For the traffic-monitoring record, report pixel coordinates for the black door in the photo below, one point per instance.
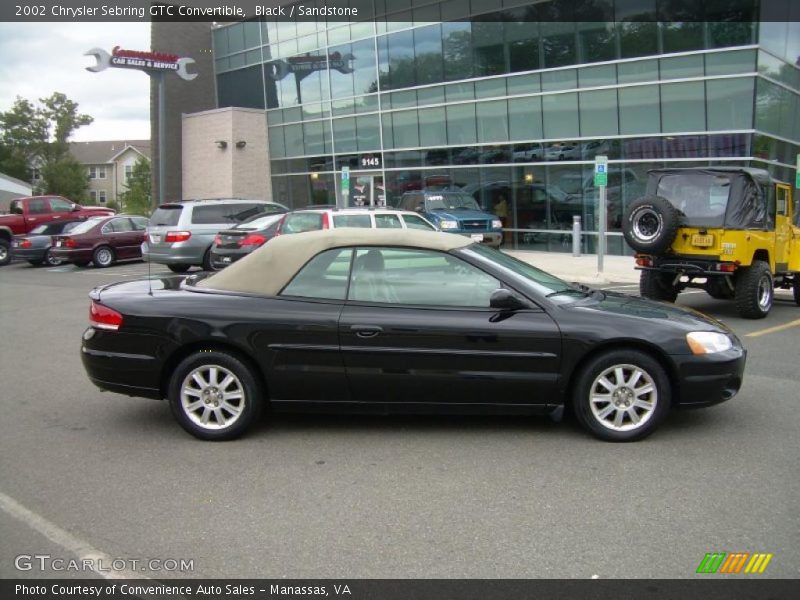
(417, 329)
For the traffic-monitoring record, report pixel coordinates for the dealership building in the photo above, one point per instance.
(509, 101)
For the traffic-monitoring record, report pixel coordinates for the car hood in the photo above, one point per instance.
(460, 215)
(613, 303)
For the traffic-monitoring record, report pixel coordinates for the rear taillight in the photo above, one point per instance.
(218, 241)
(103, 317)
(644, 261)
(177, 236)
(325, 222)
(70, 243)
(726, 267)
(25, 244)
(253, 239)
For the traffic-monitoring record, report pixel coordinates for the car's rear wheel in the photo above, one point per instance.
(214, 395)
(207, 261)
(621, 395)
(657, 286)
(179, 268)
(754, 291)
(103, 257)
(5, 252)
(51, 260)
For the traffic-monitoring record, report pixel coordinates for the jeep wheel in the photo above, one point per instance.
(657, 286)
(754, 291)
(718, 287)
(651, 224)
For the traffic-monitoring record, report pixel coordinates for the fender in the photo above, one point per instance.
(6, 233)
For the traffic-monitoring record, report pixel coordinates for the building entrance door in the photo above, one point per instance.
(367, 189)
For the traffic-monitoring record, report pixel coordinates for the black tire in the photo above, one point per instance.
(628, 401)
(717, 287)
(103, 257)
(80, 263)
(797, 289)
(5, 252)
(657, 286)
(250, 405)
(650, 224)
(179, 268)
(50, 260)
(207, 266)
(754, 291)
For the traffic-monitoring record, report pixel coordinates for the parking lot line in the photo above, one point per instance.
(774, 329)
(54, 533)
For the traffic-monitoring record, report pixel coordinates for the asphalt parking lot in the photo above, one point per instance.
(374, 497)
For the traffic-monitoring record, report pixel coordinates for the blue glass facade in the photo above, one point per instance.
(511, 104)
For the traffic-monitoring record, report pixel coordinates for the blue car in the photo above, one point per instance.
(455, 212)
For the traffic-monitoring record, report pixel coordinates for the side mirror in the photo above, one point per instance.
(503, 299)
(75, 208)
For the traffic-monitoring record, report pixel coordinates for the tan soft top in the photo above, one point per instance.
(266, 271)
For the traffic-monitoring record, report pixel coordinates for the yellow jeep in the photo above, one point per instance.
(731, 231)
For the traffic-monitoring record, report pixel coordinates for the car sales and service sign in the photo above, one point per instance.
(152, 62)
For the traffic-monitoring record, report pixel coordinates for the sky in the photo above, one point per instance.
(37, 59)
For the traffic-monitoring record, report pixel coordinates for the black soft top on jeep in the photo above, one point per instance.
(746, 203)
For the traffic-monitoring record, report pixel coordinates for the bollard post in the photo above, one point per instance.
(576, 235)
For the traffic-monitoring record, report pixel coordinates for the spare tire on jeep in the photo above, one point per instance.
(651, 224)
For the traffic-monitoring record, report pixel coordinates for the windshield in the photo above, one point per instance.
(451, 202)
(701, 197)
(542, 282)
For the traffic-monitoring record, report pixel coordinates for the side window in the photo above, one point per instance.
(418, 278)
(782, 199)
(38, 206)
(139, 223)
(300, 222)
(388, 221)
(323, 277)
(362, 221)
(16, 207)
(415, 222)
(60, 206)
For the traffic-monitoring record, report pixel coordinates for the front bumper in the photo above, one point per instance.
(709, 379)
(491, 238)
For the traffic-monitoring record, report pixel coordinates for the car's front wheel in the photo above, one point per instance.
(621, 395)
(214, 395)
(179, 268)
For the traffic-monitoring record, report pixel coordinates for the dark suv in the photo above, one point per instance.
(454, 211)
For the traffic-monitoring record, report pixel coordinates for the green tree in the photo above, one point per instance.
(65, 177)
(136, 197)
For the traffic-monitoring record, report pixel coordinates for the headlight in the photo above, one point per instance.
(708, 342)
(448, 225)
(497, 224)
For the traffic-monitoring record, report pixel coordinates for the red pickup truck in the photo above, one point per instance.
(27, 213)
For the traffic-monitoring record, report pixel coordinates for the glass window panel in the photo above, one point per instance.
(236, 61)
(236, 37)
(426, 14)
(362, 29)
(726, 63)
(522, 39)
(638, 39)
(490, 88)
(292, 114)
(678, 67)
(492, 120)
(221, 41)
(406, 129)
(432, 127)
(313, 137)
(287, 48)
(524, 84)
(460, 91)
(243, 87)
(252, 34)
(221, 64)
(683, 107)
(558, 40)
(339, 35)
(560, 115)
(681, 37)
(640, 70)
(596, 41)
(307, 43)
(722, 34)
(343, 107)
(487, 46)
(599, 113)
(639, 110)
(277, 148)
(365, 63)
(404, 99)
(525, 119)
(368, 133)
(326, 275)
(293, 135)
(388, 221)
(455, 9)
(341, 84)
(431, 95)
(344, 135)
(730, 103)
(600, 75)
(461, 124)
(253, 57)
(559, 80)
(388, 135)
(401, 59)
(773, 35)
(366, 103)
(457, 50)
(383, 63)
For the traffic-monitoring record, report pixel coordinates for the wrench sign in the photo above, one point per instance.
(143, 61)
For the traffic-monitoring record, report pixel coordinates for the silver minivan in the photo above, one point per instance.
(180, 234)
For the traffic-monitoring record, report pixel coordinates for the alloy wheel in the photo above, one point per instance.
(623, 397)
(212, 397)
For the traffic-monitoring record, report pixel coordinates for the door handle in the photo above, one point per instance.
(366, 331)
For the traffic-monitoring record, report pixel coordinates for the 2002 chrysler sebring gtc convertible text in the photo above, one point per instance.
(408, 321)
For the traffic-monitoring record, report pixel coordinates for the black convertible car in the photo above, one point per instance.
(398, 320)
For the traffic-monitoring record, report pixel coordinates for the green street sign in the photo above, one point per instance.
(600, 171)
(345, 181)
(797, 174)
